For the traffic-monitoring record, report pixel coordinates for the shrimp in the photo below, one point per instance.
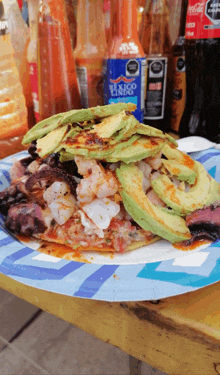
(61, 203)
(146, 170)
(97, 182)
(155, 162)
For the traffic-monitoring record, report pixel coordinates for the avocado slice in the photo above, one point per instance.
(112, 124)
(144, 147)
(181, 171)
(147, 215)
(51, 141)
(96, 152)
(204, 192)
(78, 115)
(154, 132)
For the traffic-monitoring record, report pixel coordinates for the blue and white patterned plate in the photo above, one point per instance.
(132, 280)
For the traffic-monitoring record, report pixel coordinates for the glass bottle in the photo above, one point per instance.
(156, 42)
(32, 54)
(202, 47)
(179, 72)
(20, 38)
(125, 60)
(90, 51)
(58, 85)
(13, 111)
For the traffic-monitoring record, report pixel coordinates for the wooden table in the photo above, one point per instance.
(178, 335)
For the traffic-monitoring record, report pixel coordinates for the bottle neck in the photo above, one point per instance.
(183, 18)
(125, 18)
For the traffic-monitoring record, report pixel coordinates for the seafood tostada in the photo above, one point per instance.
(97, 179)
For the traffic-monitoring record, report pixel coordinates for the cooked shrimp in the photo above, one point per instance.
(154, 162)
(84, 166)
(96, 183)
(153, 198)
(146, 169)
(61, 203)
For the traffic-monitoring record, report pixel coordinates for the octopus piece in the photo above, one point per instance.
(26, 219)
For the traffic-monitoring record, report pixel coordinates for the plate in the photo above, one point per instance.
(150, 273)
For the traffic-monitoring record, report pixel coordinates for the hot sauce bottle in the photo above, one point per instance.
(124, 68)
(156, 42)
(32, 54)
(179, 73)
(90, 51)
(58, 85)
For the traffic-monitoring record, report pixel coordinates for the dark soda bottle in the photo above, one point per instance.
(155, 39)
(179, 73)
(202, 47)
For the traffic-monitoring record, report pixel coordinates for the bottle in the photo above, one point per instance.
(202, 47)
(179, 73)
(107, 17)
(32, 54)
(125, 62)
(140, 9)
(156, 42)
(58, 86)
(71, 18)
(13, 111)
(90, 51)
(20, 39)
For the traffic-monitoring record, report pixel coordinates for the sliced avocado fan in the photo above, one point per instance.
(78, 115)
(204, 192)
(118, 137)
(147, 215)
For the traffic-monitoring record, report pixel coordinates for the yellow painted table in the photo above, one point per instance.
(178, 335)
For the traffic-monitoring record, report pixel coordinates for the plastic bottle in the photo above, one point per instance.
(125, 62)
(32, 54)
(156, 42)
(179, 73)
(58, 86)
(20, 38)
(13, 111)
(90, 51)
(202, 46)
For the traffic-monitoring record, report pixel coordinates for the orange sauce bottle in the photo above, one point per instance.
(125, 60)
(90, 51)
(58, 86)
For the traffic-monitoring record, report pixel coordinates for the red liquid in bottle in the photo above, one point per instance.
(58, 86)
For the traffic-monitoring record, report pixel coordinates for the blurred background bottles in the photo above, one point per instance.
(156, 42)
(20, 38)
(13, 111)
(90, 51)
(125, 63)
(32, 54)
(179, 73)
(58, 85)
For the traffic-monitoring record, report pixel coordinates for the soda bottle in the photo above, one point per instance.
(58, 86)
(90, 51)
(179, 72)
(125, 62)
(20, 38)
(13, 111)
(32, 54)
(202, 48)
(156, 42)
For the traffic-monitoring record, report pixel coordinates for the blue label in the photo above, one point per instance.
(124, 81)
